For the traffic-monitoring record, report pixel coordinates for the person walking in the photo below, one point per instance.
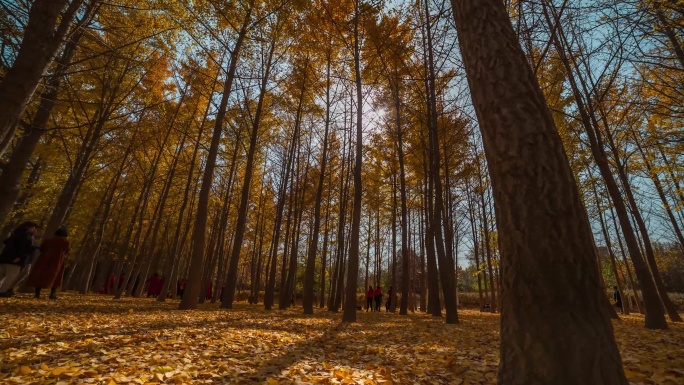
(378, 298)
(618, 299)
(48, 271)
(388, 304)
(370, 294)
(16, 255)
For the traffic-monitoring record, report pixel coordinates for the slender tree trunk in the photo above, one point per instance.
(446, 266)
(192, 290)
(324, 256)
(609, 246)
(174, 249)
(544, 233)
(309, 275)
(349, 313)
(655, 318)
(648, 247)
(626, 262)
(405, 272)
(661, 193)
(476, 243)
(282, 198)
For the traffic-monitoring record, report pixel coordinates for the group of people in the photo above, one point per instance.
(376, 296)
(46, 272)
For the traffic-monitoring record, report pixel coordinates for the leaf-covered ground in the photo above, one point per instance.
(95, 340)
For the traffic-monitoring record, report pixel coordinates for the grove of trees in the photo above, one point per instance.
(299, 151)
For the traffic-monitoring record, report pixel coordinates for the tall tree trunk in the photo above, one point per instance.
(648, 247)
(14, 168)
(324, 256)
(269, 294)
(476, 243)
(626, 262)
(405, 272)
(349, 310)
(309, 275)
(192, 290)
(49, 21)
(231, 279)
(544, 233)
(446, 266)
(609, 246)
(105, 109)
(655, 318)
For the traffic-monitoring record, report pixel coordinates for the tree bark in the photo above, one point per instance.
(544, 233)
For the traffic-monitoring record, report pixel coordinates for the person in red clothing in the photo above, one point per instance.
(110, 285)
(209, 292)
(152, 284)
(369, 298)
(378, 298)
(48, 271)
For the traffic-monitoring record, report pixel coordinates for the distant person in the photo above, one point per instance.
(180, 288)
(618, 299)
(16, 255)
(48, 271)
(210, 292)
(378, 298)
(110, 284)
(388, 304)
(487, 308)
(370, 294)
(152, 285)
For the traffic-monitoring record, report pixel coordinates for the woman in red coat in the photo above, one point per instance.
(48, 270)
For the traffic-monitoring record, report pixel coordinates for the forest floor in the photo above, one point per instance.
(95, 340)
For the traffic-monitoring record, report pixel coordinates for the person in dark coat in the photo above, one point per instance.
(617, 299)
(48, 270)
(16, 255)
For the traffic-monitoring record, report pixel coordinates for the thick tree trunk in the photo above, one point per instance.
(544, 233)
